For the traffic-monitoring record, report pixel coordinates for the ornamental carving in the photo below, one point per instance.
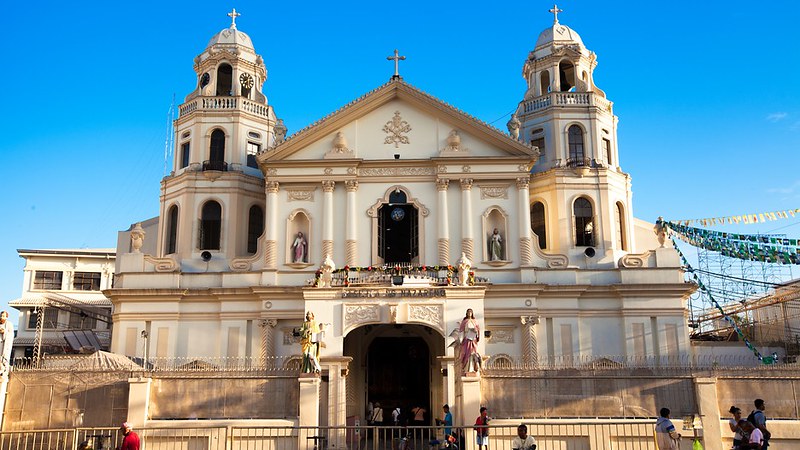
(355, 315)
(523, 182)
(427, 314)
(288, 336)
(494, 191)
(397, 171)
(442, 184)
(272, 171)
(395, 130)
(300, 195)
(328, 185)
(272, 187)
(503, 335)
(466, 168)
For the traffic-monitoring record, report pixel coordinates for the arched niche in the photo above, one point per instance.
(415, 211)
(298, 233)
(495, 246)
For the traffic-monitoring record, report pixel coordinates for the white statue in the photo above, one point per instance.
(661, 231)
(464, 265)
(327, 268)
(137, 237)
(6, 343)
(495, 246)
(513, 126)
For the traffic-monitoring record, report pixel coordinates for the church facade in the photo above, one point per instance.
(424, 210)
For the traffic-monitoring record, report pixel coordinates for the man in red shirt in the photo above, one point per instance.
(130, 441)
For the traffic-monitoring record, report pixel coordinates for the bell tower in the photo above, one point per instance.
(580, 198)
(212, 203)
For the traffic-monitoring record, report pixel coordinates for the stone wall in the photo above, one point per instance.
(224, 398)
(65, 399)
(780, 395)
(609, 395)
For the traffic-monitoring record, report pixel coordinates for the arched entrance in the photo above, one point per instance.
(395, 365)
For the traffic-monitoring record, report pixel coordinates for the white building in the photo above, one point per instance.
(398, 177)
(68, 283)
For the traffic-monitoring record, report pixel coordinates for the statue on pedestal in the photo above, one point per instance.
(495, 246)
(470, 334)
(6, 343)
(300, 248)
(326, 272)
(464, 265)
(137, 237)
(310, 339)
(660, 229)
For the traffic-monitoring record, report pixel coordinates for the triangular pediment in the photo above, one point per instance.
(393, 121)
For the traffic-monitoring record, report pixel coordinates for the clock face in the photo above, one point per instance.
(205, 79)
(246, 80)
(398, 214)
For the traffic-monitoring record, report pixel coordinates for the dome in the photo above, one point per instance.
(560, 34)
(230, 36)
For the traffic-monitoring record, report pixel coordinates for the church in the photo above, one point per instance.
(388, 219)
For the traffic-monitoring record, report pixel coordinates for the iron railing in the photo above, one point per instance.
(549, 434)
(211, 164)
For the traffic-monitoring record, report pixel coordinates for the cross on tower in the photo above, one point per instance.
(397, 58)
(555, 12)
(233, 15)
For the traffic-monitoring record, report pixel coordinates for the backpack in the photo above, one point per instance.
(752, 417)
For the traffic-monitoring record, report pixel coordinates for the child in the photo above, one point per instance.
(482, 430)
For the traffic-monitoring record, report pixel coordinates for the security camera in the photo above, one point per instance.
(206, 256)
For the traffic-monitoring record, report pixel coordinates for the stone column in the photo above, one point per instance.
(708, 408)
(267, 349)
(271, 243)
(351, 237)
(525, 241)
(138, 401)
(309, 405)
(444, 223)
(470, 404)
(467, 244)
(530, 353)
(337, 370)
(327, 218)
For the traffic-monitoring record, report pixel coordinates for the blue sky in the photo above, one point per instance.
(706, 94)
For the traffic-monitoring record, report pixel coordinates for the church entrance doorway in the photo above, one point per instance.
(396, 365)
(398, 230)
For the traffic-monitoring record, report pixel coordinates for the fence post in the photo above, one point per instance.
(708, 408)
(138, 400)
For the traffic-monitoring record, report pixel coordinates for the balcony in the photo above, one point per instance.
(566, 99)
(220, 166)
(224, 104)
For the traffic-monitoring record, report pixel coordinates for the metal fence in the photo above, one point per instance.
(550, 435)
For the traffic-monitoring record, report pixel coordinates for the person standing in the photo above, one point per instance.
(523, 441)
(759, 419)
(666, 436)
(130, 440)
(447, 421)
(733, 423)
(482, 429)
(755, 440)
(396, 416)
(418, 414)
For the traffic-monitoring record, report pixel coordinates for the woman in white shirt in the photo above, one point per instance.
(733, 423)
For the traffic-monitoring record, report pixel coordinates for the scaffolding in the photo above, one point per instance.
(741, 287)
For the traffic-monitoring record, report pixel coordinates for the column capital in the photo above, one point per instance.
(442, 184)
(272, 323)
(466, 184)
(529, 320)
(328, 185)
(351, 185)
(523, 182)
(272, 187)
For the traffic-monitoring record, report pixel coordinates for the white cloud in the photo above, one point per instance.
(776, 116)
(786, 190)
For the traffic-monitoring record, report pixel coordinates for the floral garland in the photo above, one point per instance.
(394, 270)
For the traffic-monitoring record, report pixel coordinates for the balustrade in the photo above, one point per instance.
(566, 99)
(224, 104)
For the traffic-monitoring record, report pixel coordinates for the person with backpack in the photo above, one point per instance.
(666, 436)
(759, 420)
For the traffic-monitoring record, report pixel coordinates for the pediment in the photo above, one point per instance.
(397, 121)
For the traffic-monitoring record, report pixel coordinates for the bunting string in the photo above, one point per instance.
(730, 320)
(745, 219)
(751, 247)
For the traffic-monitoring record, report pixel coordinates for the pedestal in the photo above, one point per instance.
(3, 392)
(138, 400)
(708, 408)
(469, 407)
(309, 403)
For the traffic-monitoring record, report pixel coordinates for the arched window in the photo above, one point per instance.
(216, 152)
(172, 230)
(224, 80)
(544, 82)
(255, 226)
(575, 141)
(566, 72)
(538, 224)
(584, 222)
(397, 196)
(619, 215)
(210, 226)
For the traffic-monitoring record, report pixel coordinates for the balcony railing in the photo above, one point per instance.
(566, 99)
(221, 166)
(224, 104)
(579, 162)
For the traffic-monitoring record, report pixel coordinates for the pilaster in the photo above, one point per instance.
(351, 237)
(271, 243)
(327, 217)
(444, 223)
(525, 241)
(467, 243)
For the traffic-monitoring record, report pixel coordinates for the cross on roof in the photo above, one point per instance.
(397, 58)
(233, 15)
(555, 12)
